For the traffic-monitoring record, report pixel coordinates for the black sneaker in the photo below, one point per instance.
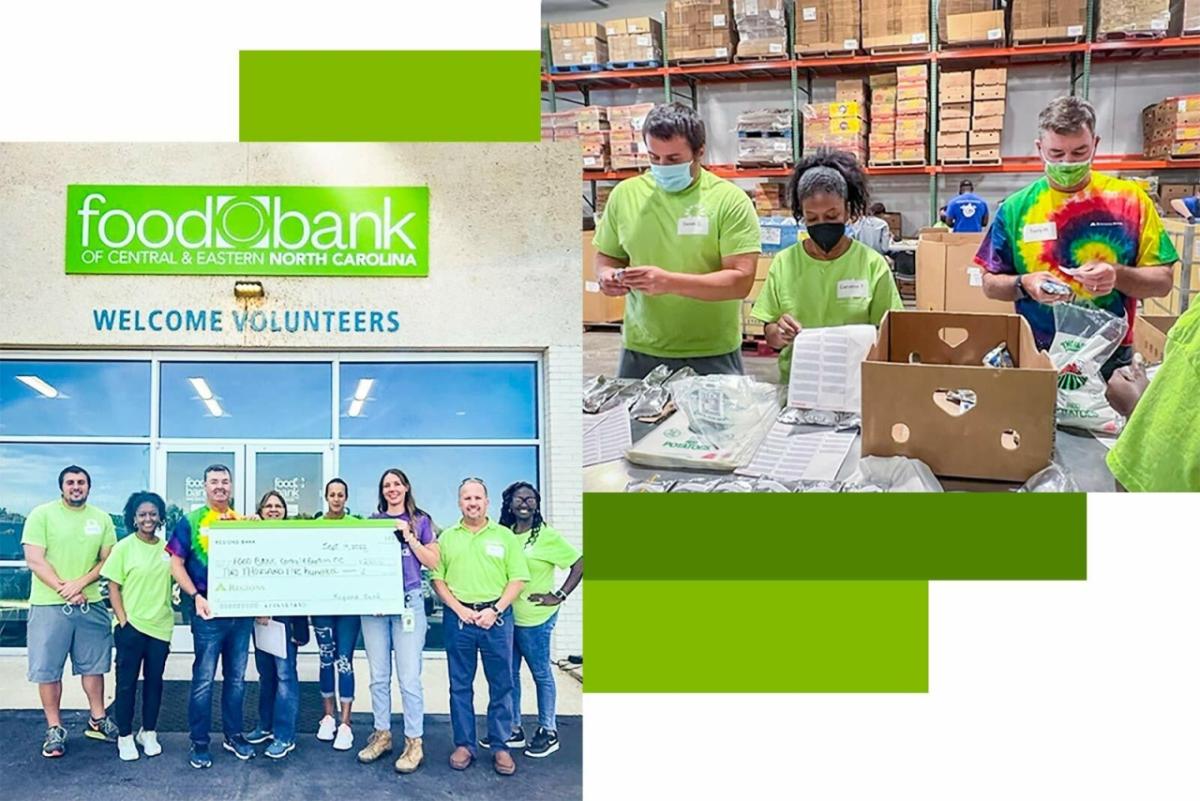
(55, 744)
(199, 757)
(544, 744)
(103, 729)
(238, 746)
(515, 740)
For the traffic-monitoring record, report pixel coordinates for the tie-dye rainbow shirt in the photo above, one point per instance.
(189, 541)
(1041, 229)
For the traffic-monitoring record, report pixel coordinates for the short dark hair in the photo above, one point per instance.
(216, 468)
(73, 468)
(834, 172)
(669, 120)
(966, 185)
(1067, 115)
(136, 500)
(878, 208)
(333, 481)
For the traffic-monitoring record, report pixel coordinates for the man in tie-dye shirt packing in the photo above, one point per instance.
(1097, 234)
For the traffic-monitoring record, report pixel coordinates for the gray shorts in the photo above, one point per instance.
(86, 636)
(638, 365)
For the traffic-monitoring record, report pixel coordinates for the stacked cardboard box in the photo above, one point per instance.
(625, 136)
(828, 26)
(850, 90)
(764, 137)
(954, 115)
(578, 44)
(987, 117)
(700, 30)
(1190, 17)
(883, 118)
(1119, 18)
(895, 24)
(912, 113)
(770, 200)
(837, 126)
(1035, 21)
(978, 27)
(592, 124)
(761, 28)
(602, 193)
(1171, 129)
(634, 40)
(948, 10)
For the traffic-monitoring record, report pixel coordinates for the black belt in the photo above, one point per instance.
(482, 605)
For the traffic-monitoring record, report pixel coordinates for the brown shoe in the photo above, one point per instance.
(412, 757)
(462, 758)
(503, 763)
(378, 744)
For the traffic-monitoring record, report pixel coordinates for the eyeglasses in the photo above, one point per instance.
(472, 480)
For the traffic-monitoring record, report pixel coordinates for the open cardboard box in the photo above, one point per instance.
(1150, 335)
(1007, 436)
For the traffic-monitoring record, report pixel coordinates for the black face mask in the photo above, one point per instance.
(827, 235)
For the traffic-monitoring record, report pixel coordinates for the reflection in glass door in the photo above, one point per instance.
(298, 473)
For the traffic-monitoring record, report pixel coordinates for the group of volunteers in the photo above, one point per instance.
(682, 244)
(496, 580)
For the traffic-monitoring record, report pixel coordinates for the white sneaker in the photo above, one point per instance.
(126, 749)
(345, 739)
(148, 740)
(326, 729)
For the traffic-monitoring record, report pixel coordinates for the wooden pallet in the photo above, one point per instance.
(892, 50)
(970, 162)
(1118, 36)
(754, 59)
(1048, 40)
(775, 165)
(819, 54)
(920, 163)
(633, 65)
(696, 62)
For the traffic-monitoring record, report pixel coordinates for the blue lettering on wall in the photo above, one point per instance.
(281, 322)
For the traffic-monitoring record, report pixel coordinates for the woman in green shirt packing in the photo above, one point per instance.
(826, 279)
(139, 588)
(536, 611)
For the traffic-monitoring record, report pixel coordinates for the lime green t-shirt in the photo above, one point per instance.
(1159, 450)
(544, 552)
(856, 288)
(681, 232)
(478, 566)
(143, 570)
(73, 539)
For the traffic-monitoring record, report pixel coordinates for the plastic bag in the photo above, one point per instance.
(1054, 478)
(721, 408)
(892, 474)
(652, 484)
(1084, 339)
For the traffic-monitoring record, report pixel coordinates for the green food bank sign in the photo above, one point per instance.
(248, 230)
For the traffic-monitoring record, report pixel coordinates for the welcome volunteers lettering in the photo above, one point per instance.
(292, 321)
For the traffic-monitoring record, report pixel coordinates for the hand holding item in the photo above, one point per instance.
(1032, 282)
(406, 533)
(784, 333)
(1097, 277)
(612, 283)
(647, 280)
(467, 615)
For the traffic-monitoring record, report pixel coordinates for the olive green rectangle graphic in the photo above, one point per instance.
(389, 95)
(819, 536)
(756, 637)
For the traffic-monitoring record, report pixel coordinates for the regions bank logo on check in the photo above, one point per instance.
(247, 230)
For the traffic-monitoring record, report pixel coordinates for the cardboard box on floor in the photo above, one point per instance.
(1007, 436)
(948, 278)
(597, 307)
(1150, 335)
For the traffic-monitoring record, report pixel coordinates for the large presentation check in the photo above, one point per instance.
(304, 567)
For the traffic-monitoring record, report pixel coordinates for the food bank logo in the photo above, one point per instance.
(247, 230)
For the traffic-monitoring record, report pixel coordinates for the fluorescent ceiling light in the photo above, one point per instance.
(202, 389)
(214, 407)
(38, 385)
(363, 389)
(356, 407)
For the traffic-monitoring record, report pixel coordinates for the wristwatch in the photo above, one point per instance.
(560, 595)
(495, 609)
(1022, 292)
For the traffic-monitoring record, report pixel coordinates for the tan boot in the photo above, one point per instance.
(413, 756)
(378, 744)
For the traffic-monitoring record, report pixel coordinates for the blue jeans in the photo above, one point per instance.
(278, 693)
(336, 638)
(228, 639)
(495, 645)
(385, 639)
(533, 644)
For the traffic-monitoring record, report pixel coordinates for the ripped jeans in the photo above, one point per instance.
(336, 637)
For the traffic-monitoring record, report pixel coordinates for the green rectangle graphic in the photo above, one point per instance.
(747, 636)
(918, 536)
(148, 229)
(389, 96)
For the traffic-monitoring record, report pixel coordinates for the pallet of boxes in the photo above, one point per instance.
(634, 42)
(840, 125)
(700, 31)
(971, 108)
(626, 144)
(882, 139)
(1036, 22)
(912, 114)
(890, 26)
(827, 27)
(1171, 128)
(971, 22)
(761, 27)
(592, 123)
(764, 138)
(1135, 19)
(578, 47)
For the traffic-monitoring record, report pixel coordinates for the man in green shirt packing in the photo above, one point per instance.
(682, 245)
(481, 572)
(66, 542)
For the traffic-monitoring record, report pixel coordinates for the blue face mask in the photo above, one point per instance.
(672, 177)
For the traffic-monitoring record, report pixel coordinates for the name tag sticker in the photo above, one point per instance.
(693, 226)
(495, 549)
(1040, 232)
(975, 276)
(91, 528)
(851, 289)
